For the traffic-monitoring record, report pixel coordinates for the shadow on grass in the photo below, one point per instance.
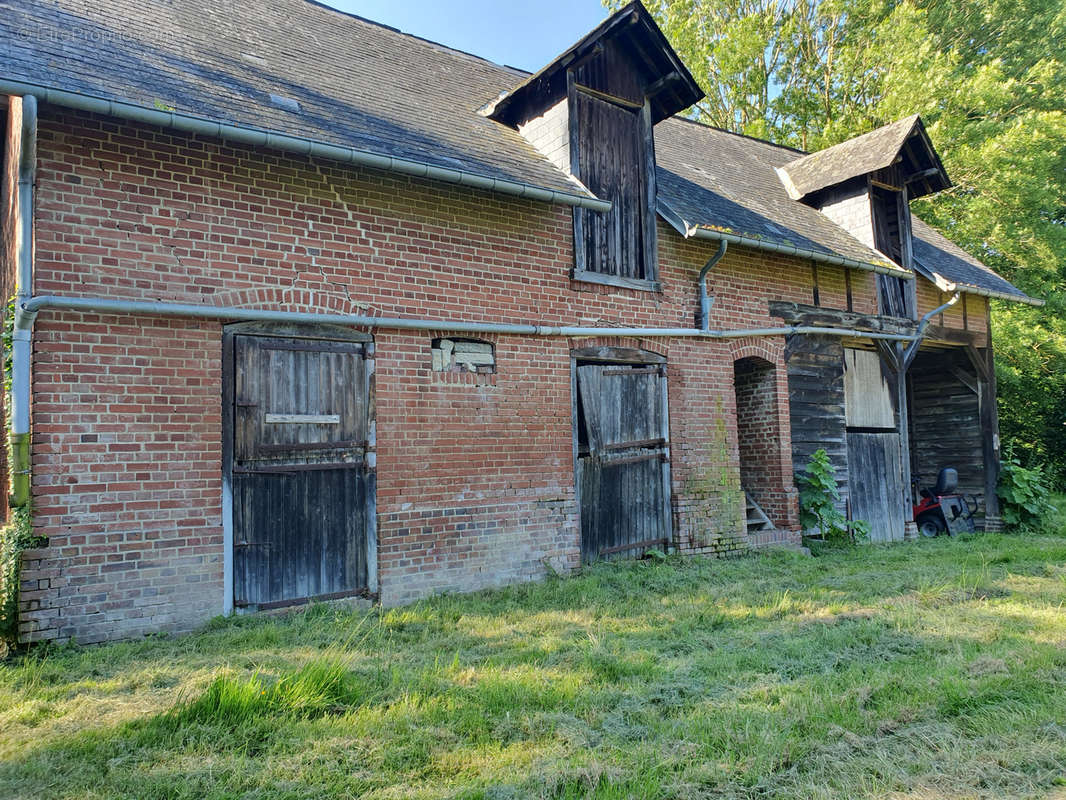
(689, 678)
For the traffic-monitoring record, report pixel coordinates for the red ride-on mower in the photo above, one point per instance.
(941, 510)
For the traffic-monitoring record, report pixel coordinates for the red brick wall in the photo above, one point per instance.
(475, 473)
(126, 454)
(759, 434)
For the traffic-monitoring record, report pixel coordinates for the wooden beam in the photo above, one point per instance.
(990, 439)
(803, 314)
(908, 148)
(650, 237)
(883, 185)
(967, 380)
(621, 102)
(575, 170)
(954, 336)
(889, 354)
(662, 83)
(979, 363)
(923, 175)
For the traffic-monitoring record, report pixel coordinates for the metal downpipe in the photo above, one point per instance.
(705, 300)
(912, 351)
(22, 335)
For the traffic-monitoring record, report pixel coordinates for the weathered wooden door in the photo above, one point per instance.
(623, 472)
(301, 467)
(876, 483)
(875, 479)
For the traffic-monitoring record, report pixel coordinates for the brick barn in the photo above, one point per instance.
(307, 308)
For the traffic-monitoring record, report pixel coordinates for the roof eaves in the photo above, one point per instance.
(947, 286)
(295, 144)
(701, 231)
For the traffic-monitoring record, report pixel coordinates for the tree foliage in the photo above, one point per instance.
(986, 77)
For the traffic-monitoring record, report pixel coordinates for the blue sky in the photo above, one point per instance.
(521, 34)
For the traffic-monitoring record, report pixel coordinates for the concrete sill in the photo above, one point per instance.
(616, 280)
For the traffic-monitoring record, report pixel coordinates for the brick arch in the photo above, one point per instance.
(764, 440)
(772, 350)
(292, 299)
(657, 346)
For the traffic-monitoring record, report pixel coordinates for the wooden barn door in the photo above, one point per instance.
(875, 479)
(876, 483)
(623, 472)
(302, 472)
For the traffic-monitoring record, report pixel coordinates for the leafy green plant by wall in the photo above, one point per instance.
(15, 537)
(1025, 492)
(819, 496)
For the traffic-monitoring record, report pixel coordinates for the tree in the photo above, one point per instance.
(987, 78)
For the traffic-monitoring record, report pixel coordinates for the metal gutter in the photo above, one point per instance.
(787, 249)
(996, 295)
(21, 338)
(26, 313)
(705, 301)
(944, 285)
(695, 232)
(296, 144)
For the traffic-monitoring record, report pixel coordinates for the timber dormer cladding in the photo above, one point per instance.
(591, 112)
(865, 185)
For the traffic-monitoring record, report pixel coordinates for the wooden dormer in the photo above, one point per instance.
(865, 185)
(591, 111)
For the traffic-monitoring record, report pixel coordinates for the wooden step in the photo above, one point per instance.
(756, 519)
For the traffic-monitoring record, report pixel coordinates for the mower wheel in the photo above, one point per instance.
(931, 525)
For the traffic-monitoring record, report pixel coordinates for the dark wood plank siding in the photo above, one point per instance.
(613, 72)
(946, 420)
(876, 489)
(816, 402)
(612, 160)
(889, 227)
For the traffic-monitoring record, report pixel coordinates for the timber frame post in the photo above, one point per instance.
(896, 359)
(984, 362)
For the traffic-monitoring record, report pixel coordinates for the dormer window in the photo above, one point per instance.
(611, 152)
(865, 185)
(591, 112)
(890, 215)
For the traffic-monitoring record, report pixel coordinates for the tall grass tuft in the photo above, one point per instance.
(322, 686)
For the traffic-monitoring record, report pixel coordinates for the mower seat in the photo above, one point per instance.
(946, 481)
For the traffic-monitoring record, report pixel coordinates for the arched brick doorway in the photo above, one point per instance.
(759, 443)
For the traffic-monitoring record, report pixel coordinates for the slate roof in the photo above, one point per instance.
(358, 84)
(859, 156)
(941, 258)
(364, 85)
(726, 182)
(723, 182)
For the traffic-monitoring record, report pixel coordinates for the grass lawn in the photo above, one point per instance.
(927, 670)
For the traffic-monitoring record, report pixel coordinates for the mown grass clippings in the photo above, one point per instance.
(933, 669)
